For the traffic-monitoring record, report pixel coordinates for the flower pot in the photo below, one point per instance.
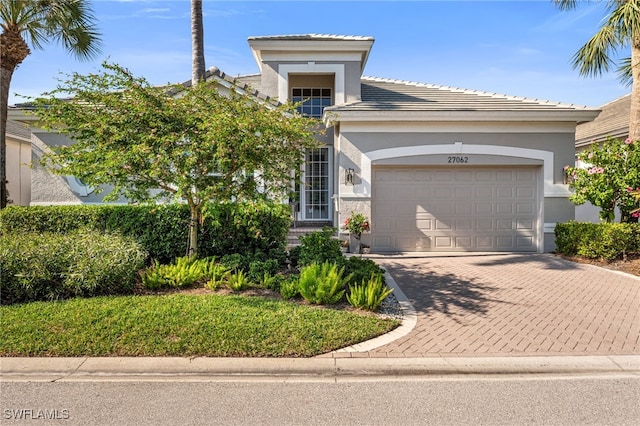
(355, 246)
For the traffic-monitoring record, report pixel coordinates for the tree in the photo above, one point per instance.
(194, 144)
(198, 70)
(613, 173)
(34, 22)
(620, 28)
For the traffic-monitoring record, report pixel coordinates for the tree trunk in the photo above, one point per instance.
(197, 43)
(634, 118)
(193, 229)
(13, 50)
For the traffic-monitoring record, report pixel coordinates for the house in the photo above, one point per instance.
(26, 177)
(612, 122)
(435, 168)
(18, 139)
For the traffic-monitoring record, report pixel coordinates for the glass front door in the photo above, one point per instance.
(316, 201)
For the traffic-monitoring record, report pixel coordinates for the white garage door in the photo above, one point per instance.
(455, 209)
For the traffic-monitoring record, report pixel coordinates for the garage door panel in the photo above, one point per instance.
(429, 208)
(525, 242)
(504, 209)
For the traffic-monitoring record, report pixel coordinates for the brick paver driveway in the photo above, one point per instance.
(513, 304)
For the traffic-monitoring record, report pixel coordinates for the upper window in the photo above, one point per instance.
(314, 100)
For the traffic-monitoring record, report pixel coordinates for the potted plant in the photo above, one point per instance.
(356, 224)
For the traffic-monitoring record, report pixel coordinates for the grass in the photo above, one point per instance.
(180, 325)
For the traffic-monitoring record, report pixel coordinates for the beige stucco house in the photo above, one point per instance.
(435, 168)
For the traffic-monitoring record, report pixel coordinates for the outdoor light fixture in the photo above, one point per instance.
(348, 176)
(566, 176)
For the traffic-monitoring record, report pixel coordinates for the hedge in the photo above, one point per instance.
(162, 230)
(607, 241)
(49, 266)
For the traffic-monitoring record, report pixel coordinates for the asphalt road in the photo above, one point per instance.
(595, 399)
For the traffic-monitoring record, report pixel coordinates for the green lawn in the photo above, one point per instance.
(181, 325)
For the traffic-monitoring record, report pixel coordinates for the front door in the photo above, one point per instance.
(316, 199)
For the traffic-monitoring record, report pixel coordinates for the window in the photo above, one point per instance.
(314, 100)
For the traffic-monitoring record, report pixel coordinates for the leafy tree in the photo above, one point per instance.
(610, 179)
(34, 22)
(620, 28)
(193, 144)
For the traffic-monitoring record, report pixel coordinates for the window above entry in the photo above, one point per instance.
(314, 100)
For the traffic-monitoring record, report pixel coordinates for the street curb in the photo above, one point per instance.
(95, 368)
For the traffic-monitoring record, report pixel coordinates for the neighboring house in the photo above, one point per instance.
(435, 168)
(27, 177)
(613, 122)
(18, 139)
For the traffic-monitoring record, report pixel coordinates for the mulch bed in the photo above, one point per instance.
(631, 265)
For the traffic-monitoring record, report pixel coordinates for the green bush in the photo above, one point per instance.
(238, 281)
(607, 241)
(322, 283)
(183, 272)
(162, 230)
(289, 288)
(46, 266)
(369, 294)
(362, 269)
(319, 247)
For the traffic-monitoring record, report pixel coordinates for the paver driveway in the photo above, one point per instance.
(514, 304)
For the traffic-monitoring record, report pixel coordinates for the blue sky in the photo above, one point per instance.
(520, 48)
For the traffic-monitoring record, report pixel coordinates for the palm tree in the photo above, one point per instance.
(28, 23)
(197, 43)
(620, 28)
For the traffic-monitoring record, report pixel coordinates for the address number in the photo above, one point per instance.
(458, 160)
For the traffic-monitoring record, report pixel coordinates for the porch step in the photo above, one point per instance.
(293, 238)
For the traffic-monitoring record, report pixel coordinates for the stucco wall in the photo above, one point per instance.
(18, 171)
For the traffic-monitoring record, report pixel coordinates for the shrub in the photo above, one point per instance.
(322, 283)
(606, 241)
(289, 288)
(320, 247)
(46, 266)
(217, 275)
(162, 230)
(259, 268)
(238, 281)
(184, 272)
(368, 295)
(362, 269)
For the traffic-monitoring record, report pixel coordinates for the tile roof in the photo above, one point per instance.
(241, 83)
(18, 130)
(312, 36)
(379, 94)
(613, 121)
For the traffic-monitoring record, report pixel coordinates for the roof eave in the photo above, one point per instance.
(332, 116)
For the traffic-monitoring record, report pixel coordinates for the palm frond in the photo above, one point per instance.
(624, 72)
(566, 4)
(594, 58)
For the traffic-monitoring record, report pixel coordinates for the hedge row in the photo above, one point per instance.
(606, 241)
(49, 266)
(162, 230)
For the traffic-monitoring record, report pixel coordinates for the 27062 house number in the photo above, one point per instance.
(457, 160)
